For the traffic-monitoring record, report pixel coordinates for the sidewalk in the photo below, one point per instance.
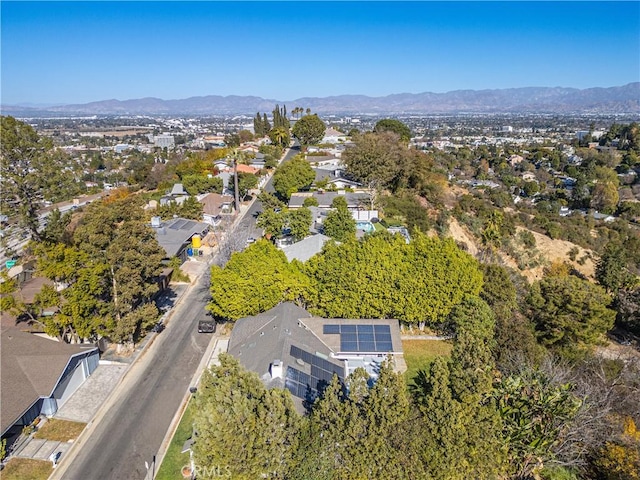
(86, 401)
(210, 358)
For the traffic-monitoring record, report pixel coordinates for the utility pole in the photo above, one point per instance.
(235, 181)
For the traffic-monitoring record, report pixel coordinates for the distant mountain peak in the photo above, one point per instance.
(621, 99)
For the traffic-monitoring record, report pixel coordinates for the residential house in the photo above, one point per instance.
(331, 135)
(306, 248)
(289, 348)
(216, 206)
(355, 200)
(334, 177)
(39, 376)
(175, 235)
(177, 194)
(323, 161)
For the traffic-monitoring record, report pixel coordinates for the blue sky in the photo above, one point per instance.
(77, 52)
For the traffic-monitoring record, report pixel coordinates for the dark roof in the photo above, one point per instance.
(354, 199)
(290, 335)
(31, 368)
(174, 233)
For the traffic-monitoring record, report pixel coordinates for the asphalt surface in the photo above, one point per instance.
(132, 430)
(247, 226)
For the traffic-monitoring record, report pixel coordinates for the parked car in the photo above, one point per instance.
(206, 326)
(158, 327)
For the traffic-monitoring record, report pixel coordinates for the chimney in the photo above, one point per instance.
(276, 369)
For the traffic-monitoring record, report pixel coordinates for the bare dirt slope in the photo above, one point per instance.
(550, 250)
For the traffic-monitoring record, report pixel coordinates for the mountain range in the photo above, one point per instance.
(621, 99)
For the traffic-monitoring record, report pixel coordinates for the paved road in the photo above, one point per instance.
(248, 224)
(132, 430)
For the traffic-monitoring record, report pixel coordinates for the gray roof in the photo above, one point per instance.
(306, 248)
(178, 189)
(258, 341)
(173, 234)
(354, 199)
(31, 368)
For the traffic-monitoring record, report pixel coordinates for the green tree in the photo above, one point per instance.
(254, 281)
(271, 222)
(83, 315)
(463, 425)
(117, 232)
(30, 171)
(611, 269)
(246, 182)
(569, 312)
(195, 184)
(358, 431)
(395, 126)
(257, 427)
(57, 223)
(232, 140)
(428, 277)
(309, 129)
(299, 222)
(292, 176)
(280, 136)
(627, 305)
(534, 411)
(270, 201)
(340, 224)
(514, 333)
(310, 202)
(134, 258)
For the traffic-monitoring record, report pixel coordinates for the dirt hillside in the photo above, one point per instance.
(550, 250)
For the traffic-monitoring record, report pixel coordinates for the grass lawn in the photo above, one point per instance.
(171, 468)
(420, 353)
(60, 430)
(26, 469)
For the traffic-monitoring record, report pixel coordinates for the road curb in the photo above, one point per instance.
(67, 458)
(177, 418)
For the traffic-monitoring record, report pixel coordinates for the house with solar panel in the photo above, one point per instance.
(289, 348)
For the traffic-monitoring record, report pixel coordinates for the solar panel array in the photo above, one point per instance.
(182, 225)
(362, 338)
(307, 386)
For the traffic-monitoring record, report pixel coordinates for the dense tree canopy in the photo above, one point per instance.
(383, 277)
(462, 434)
(241, 425)
(354, 435)
(395, 126)
(569, 312)
(110, 266)
(195, 184)
(31, 171)
(254, 281)
(309, 129)
(294, 175)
